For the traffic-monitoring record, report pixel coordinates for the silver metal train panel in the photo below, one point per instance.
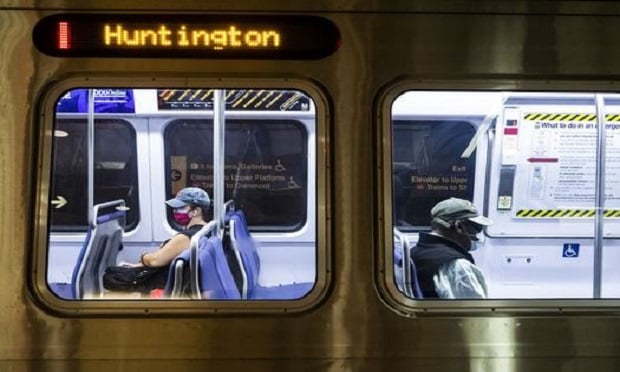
(562, 45)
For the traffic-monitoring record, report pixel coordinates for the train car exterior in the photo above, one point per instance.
(400, 83)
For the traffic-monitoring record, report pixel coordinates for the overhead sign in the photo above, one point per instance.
(108, 100)
(236, 99)
(186, 36)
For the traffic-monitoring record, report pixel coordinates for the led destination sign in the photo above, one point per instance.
(186, 36)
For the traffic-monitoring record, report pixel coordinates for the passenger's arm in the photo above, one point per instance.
(460, 279)
(164, 255)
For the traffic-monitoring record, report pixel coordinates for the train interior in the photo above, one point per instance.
(150, 143)
(537, 163)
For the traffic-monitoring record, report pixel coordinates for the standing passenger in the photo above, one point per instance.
(444, 265)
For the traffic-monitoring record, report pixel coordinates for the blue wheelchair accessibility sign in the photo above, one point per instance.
(570, 250)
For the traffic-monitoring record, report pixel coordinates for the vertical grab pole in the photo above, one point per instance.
(90, 138)
(219, 129)
(599, 195)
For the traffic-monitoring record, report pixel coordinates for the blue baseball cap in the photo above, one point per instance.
(190, 196)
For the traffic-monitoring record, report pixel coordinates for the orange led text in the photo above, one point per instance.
(118, 35)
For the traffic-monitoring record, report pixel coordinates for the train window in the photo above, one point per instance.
(265, 172)
(532, 175)
(254, 237)
(115, 171)
(428, 167)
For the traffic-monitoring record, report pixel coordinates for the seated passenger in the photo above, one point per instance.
(190, 206)
(444, 265)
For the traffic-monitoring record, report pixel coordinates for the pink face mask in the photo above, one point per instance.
(182, 218)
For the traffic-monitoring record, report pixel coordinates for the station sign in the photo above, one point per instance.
(186, 36)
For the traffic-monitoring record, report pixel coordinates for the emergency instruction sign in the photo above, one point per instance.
(556, 165)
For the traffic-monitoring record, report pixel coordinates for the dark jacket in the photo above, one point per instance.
(429, 254)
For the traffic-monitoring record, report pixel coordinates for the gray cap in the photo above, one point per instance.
(190, 195)
(450, 210)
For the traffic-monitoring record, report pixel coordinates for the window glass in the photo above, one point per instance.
(428, 167)
(265, 173)
(140, 246)
(539, 167)
(115, 172)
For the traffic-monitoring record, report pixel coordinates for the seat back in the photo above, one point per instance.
(183, 270)
(215, 278)
(416, 291)
(99, 251)
(178, 275)
(399, 272)
(405, 272)
(245, 246)
(292, 291)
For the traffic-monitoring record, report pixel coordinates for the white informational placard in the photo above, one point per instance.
(557, 165)
(547, 186)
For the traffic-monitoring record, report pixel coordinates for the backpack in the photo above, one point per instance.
(135, 279)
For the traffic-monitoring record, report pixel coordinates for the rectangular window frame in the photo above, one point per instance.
(37, 280)
(384, 253)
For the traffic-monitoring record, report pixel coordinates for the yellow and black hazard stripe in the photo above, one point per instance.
(565, 213)
(612, 213)
(238, 99)
(569, 117)
(559, 117)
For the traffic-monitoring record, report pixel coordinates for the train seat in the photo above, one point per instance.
(399, 276)
(227, 268)
(215, 277)
(414, 284)
(243, 243)
(102, 244)
(62, 290)
(406, 276)
(216, 271)
(178, 275)
(284, 292)
(214, 274)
